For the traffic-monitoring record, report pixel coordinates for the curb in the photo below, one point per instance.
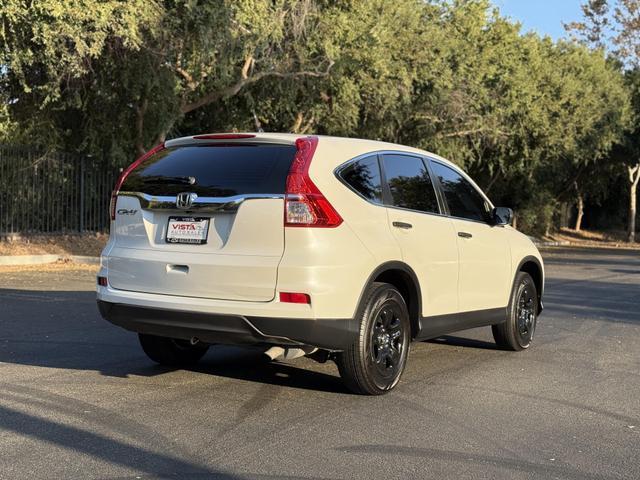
(563, 243)
(83, 259)
(44, 259)
(542, 243)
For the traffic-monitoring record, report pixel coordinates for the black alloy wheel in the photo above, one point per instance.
(526, 315)
(374, 363)
(522, 315)
(386, 342)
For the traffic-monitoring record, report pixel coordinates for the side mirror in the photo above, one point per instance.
(501, 215)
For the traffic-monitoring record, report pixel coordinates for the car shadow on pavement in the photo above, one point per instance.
(63, 329)
(455, 341)
(251, 365)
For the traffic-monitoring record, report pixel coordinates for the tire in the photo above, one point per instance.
(374, 363)
(517, 332)
(171, 352)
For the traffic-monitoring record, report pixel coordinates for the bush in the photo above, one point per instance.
(536, 218)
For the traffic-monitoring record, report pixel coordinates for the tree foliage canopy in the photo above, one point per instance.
(528, 117)
(617, 25)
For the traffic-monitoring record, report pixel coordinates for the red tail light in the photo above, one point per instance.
(305, 205)
(289, 297)
(125, 173)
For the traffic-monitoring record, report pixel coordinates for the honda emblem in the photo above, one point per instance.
(185, 200)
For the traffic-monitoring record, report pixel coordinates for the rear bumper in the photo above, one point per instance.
(331, 334)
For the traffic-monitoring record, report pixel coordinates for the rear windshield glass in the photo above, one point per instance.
(214, 171)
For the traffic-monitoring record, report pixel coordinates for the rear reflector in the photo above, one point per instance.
(305, 205)
(224, 136)
(288, 297)
(125, 173)
(102, 281)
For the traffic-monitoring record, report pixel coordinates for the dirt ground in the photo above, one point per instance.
(90, 245)
(587, 238)
(45, 276)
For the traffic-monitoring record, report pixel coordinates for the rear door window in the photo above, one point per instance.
(364, 177)
(409, 183)
(214, 171)
(463, 199)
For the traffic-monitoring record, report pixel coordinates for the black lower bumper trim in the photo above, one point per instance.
(331, 334)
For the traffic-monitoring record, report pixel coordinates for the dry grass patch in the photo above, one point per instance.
(90, 245)
(67, 267)
(588, 238)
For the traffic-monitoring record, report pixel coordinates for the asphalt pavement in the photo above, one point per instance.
(79, 399)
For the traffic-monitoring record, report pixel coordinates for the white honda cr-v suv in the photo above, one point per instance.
(336, 248)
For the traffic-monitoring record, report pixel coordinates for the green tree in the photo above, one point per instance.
(48, 51)
(591, 115)
(527, 116)
(618, 24)
(287, 65)
(530, 118)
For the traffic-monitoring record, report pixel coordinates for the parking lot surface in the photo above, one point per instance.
(79, 399)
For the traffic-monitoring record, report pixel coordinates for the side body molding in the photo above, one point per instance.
(438, 325)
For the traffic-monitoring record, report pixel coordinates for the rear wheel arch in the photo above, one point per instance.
(402, 277)
(532, 266)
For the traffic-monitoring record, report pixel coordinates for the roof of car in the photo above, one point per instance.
(353, 144)
(336, 150)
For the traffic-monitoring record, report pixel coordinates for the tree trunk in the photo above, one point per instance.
(580, 214)
(164, 131)
(565, 213)
(141, 111)
(492, 182)
(634, 177)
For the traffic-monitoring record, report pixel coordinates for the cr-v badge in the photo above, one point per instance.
(124, 211)
(185, 199)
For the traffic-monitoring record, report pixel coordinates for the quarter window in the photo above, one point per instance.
(364, 177)
(463, 199)
(409, 183)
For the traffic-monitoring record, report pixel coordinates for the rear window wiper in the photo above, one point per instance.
(164, 180)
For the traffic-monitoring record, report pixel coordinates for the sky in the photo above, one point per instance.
(543, 16)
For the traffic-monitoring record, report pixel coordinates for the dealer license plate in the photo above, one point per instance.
(192, 230)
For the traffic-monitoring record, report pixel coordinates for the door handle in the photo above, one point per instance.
(464, 235)
(184, 269)
(404, 225)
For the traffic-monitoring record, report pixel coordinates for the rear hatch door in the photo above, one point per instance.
(203, 221)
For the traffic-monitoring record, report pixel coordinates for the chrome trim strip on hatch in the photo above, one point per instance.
(200, 204)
